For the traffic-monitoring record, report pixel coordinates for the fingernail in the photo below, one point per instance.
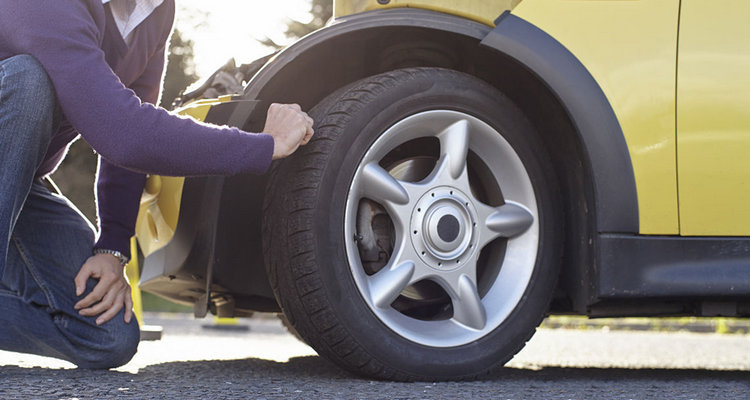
(99, 322)
(79, 290)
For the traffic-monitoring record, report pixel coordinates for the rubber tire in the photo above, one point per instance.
(289, 327)
(304, 215)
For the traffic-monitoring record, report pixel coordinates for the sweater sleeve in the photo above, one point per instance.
(118, 194)
(118, 190)
(64, 36)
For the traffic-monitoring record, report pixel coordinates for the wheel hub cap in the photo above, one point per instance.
(442, 228)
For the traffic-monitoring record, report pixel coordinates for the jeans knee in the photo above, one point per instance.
(26, 88)
(116, 348)
(27, 72)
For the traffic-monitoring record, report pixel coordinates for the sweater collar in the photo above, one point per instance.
(128, 14)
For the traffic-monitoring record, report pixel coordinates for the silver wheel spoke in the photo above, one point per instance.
(509, 220)
(467, 306)
(386, 285)
(454, 143)
(433, 228)
(377, 184)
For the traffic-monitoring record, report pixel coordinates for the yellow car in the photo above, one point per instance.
(477, 165)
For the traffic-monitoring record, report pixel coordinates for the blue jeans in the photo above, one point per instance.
(44, 240)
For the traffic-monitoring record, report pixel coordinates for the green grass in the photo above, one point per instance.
(154, 303)
(669, 324)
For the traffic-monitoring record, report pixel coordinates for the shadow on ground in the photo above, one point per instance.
(315, 378)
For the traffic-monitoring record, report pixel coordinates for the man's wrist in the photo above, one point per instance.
(122, 258)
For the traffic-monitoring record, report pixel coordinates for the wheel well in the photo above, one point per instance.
(343, 59)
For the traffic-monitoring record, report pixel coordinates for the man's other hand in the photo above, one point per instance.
(290, 127)
(110, 294)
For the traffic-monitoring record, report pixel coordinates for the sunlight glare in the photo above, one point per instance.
(222, 29)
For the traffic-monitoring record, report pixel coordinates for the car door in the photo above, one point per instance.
(713, 118)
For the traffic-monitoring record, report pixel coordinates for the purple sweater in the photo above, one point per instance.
(107, 90)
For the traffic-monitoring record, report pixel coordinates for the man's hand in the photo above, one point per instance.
(290, 128)
(110, 295)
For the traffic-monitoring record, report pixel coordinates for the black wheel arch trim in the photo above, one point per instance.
(212, 246)
(587, 105)
(359, 22)
(596, 123)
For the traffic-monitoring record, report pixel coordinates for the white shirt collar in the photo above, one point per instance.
(128, 14)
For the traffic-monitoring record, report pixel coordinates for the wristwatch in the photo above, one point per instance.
(121, 257)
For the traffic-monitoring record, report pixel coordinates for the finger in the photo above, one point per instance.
(128, 307)
(308, 136)
(273, 109)
(81, 278)
(112, 311)
(295, 107)
(96, 295)
(107, 301)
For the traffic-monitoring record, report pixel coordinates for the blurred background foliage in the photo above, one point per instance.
(321, 12)
(75, 176)
(180, 71)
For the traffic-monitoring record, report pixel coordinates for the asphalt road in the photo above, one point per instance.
(260, 360)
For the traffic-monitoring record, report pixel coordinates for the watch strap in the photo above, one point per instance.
(121, 257)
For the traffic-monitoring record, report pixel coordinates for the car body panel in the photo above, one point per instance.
(160, 206)
(713, 118)
(597, 128)
(481, 11)
(629, 47)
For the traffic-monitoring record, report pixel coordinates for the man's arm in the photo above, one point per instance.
(118, 200)
(64, 37)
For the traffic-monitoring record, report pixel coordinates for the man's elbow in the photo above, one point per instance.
(128, 157)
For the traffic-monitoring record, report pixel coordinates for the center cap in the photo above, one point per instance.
(444, 224)
(442, 228)
(448, 228)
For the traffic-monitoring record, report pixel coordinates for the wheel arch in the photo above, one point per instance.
(590, 154)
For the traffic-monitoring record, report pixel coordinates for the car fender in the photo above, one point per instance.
(596, 124)
(353, 48)
(590, 111)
